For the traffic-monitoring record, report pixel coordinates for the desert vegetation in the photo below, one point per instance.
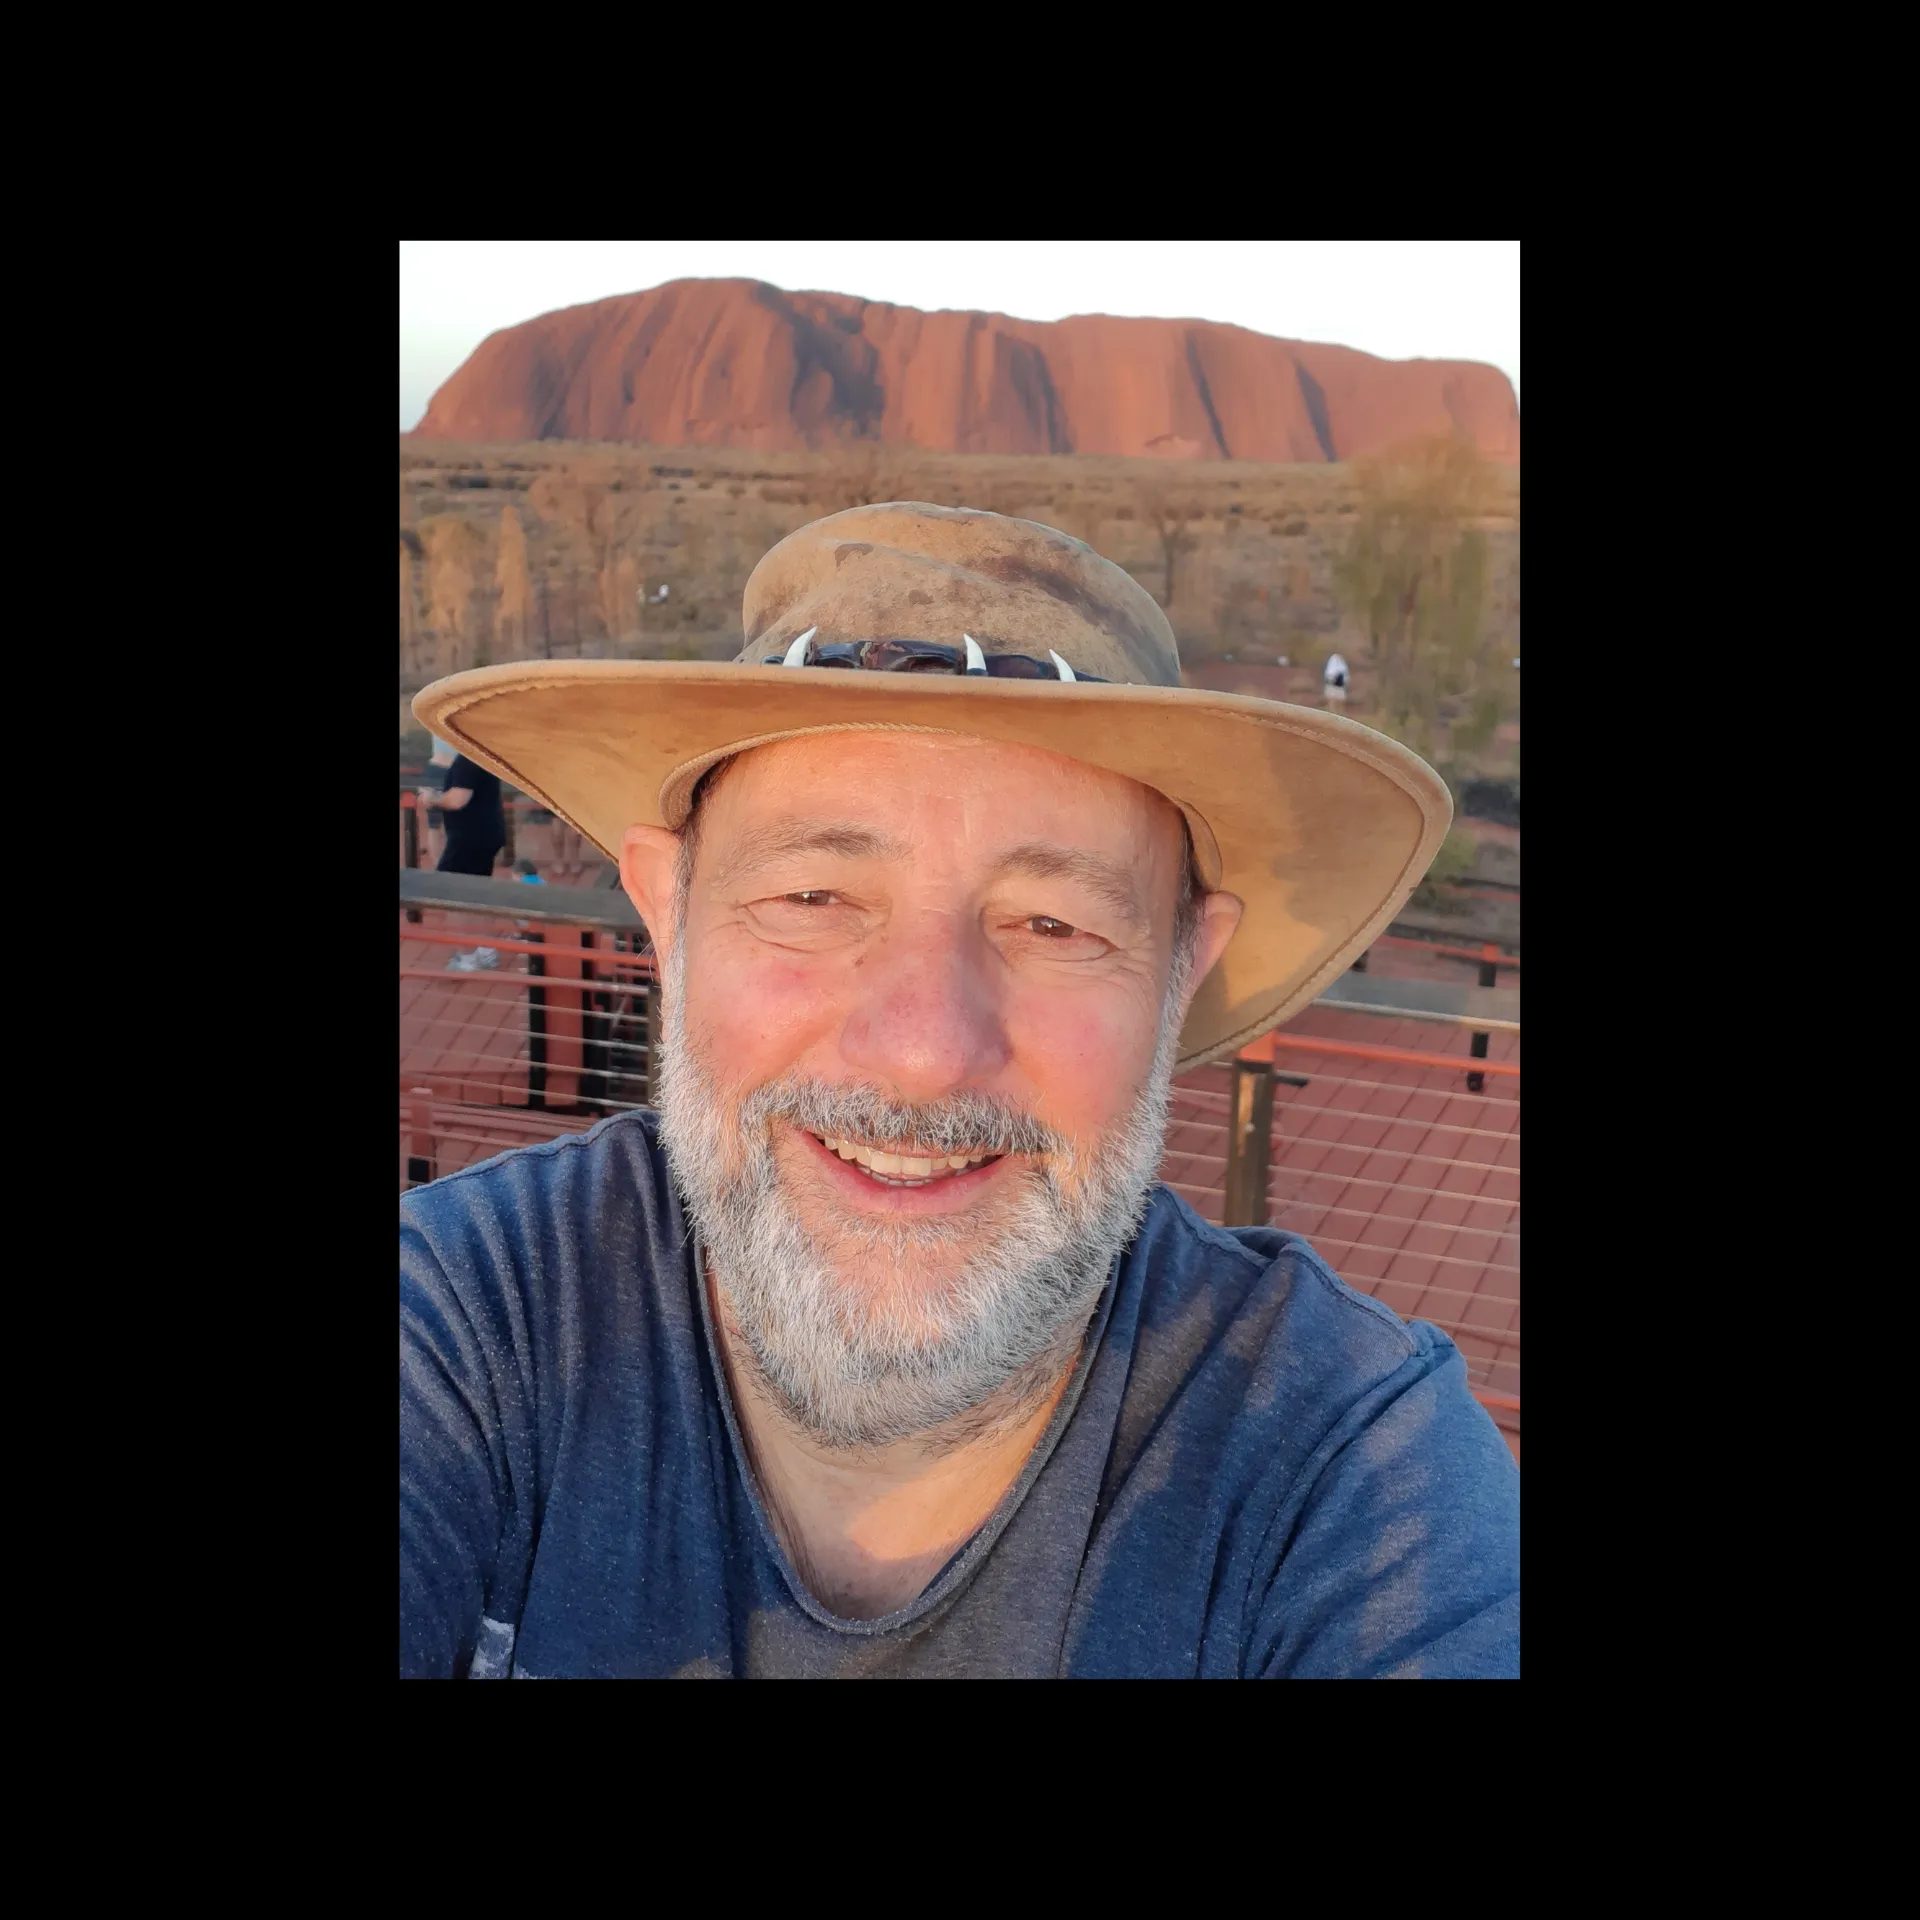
(1415, 575)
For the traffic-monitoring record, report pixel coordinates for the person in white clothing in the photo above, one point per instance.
(1334, 680)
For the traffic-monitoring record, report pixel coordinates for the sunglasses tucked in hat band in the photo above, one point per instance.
(923, 656)
(1320, 825)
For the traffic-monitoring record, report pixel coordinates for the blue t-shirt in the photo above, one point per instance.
(1254, 1472)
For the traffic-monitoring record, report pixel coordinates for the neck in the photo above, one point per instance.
(867, 1528)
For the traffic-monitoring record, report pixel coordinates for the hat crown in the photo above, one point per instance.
(908, 570)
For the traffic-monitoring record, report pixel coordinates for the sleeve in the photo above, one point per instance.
(1405, 1560)
(454, 1487)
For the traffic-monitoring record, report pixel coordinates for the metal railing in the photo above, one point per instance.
(1386, 1158)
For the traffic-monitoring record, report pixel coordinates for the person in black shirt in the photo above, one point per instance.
(476, 820)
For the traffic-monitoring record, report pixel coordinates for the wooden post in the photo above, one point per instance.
(565, 1013)
(1489, 969)
(420, 1155)
(1249, 1145)
(1477, 1082)
(410, 840)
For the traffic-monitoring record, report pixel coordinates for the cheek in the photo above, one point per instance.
(752, 1014)
(1086, 1055)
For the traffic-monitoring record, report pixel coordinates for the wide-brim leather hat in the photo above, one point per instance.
(1320, 825)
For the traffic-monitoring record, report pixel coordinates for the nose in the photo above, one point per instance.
(926, 1019)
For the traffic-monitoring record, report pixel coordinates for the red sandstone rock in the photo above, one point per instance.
(738, 363)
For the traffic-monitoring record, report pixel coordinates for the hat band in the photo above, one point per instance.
(923, 656)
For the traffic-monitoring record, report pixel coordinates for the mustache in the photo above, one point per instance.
(961, 1123)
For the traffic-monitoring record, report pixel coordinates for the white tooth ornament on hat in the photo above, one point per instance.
(976, 660)
(1066, 672)
(797, 653)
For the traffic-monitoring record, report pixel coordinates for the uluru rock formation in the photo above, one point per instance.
(738, 363)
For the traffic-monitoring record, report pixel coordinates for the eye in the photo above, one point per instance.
(1044, 936)
(811, 897)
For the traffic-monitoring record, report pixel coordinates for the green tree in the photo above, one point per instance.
(1416, 573)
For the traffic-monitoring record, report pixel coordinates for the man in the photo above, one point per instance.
(476, 819)
(877, 1351)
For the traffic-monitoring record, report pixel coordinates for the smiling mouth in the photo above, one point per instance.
(902, 1169)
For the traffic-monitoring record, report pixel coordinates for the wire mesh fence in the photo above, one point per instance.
(1403, 1179)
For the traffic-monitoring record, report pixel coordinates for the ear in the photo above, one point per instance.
(1219, 915)
(648, 856)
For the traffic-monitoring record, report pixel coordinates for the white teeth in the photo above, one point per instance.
(899, 1166)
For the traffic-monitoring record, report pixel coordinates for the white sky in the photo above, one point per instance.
(1401, 299)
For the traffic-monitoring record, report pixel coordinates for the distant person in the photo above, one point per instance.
(476, 818)
(527, 871)
(440, 759)
(1335, 680)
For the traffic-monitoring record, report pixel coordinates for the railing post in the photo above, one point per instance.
(410, 842)
(1249, 1145)
(1489, 976)
(420, 1155)
(561, 1021)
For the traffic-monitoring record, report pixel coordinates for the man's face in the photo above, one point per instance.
(919, 1036)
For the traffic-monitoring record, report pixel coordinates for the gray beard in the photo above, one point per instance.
(878, 1331)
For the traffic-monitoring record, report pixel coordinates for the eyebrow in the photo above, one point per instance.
(1107, 880)
(781, 839)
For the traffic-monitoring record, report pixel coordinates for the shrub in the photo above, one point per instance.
(1452, 863)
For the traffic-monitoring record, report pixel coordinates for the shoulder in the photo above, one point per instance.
(1378, 1503)
(539, 1220)
(1248, 1335)
(1272, 1282)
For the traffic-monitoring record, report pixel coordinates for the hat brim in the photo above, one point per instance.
(1320, 825)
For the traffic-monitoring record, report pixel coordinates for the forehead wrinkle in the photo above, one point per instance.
(1106, 880)
(779, 839)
